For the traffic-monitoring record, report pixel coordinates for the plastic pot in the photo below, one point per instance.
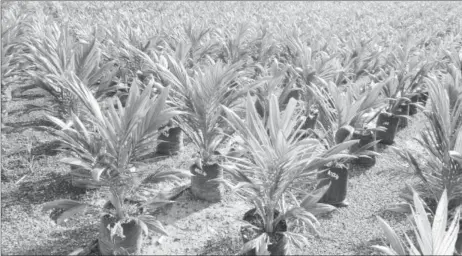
(412, 107)
(292, 94)
(310, 121)
(402, 109)
(131, 243)
(278, 241)
(171, 143)
(201, 185)
(365, 137)
(338, 176)
(423, 97)
(390, 122)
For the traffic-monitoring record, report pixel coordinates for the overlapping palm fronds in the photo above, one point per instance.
(274, 158)
(406, 71)
(57, 53)
(12, 32)
(235, 48)
(442, 139)
(12, 26)
(340, 111)
(204, 43)
(312, 66)
(121, 138)
(359, 58)
(436, 239)
(200, 96)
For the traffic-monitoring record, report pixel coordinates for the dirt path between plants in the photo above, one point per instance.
(194, 226)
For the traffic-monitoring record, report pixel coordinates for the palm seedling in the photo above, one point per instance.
(187, 53)
(199, 96)
(265, 47)
(359, 59)
(234, 46)
(310, 68)
(275, 82)
(11, 33)
(57, 52)
(442, 140)
(339, 112)
(201, 44)
(275, 160)
(436, 239)
(121, 138)
(404, 81)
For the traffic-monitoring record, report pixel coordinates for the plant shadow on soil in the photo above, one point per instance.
(48, 148)
(29, 97)
(53, 186)
(18, 127)
(185, 204)
(63, 242)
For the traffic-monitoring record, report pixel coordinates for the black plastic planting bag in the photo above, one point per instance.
(390, 122)
(365, 137)
(278, 241)
(338, 177)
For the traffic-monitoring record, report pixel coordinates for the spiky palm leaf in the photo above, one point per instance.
(275, 159)
(340, 110)
(436, 239)
(234, 46)
(58, 53)
(442, 139)
(124, 135)
(200, 97)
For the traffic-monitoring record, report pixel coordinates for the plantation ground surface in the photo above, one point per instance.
(33, 177)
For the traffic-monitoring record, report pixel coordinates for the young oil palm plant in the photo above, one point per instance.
(339, 111)
(405, 78)
(265, 46)
(199, 96)
(276, 82)
(442, 140)
(58, 52)
(11, 35)
(275, 160)
(309, 68)
(202, 44)
(235, 48)
(436, 239)
(112, 152)
(359, 58)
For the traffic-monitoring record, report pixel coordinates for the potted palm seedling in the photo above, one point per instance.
(436, 239)
(405, 77)
(275, 159)
(124, 136)
(171, 136)
(52, 56)
(199, 97)
(441, 138)
(339, 111)
(277, 82)
(398, 108)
